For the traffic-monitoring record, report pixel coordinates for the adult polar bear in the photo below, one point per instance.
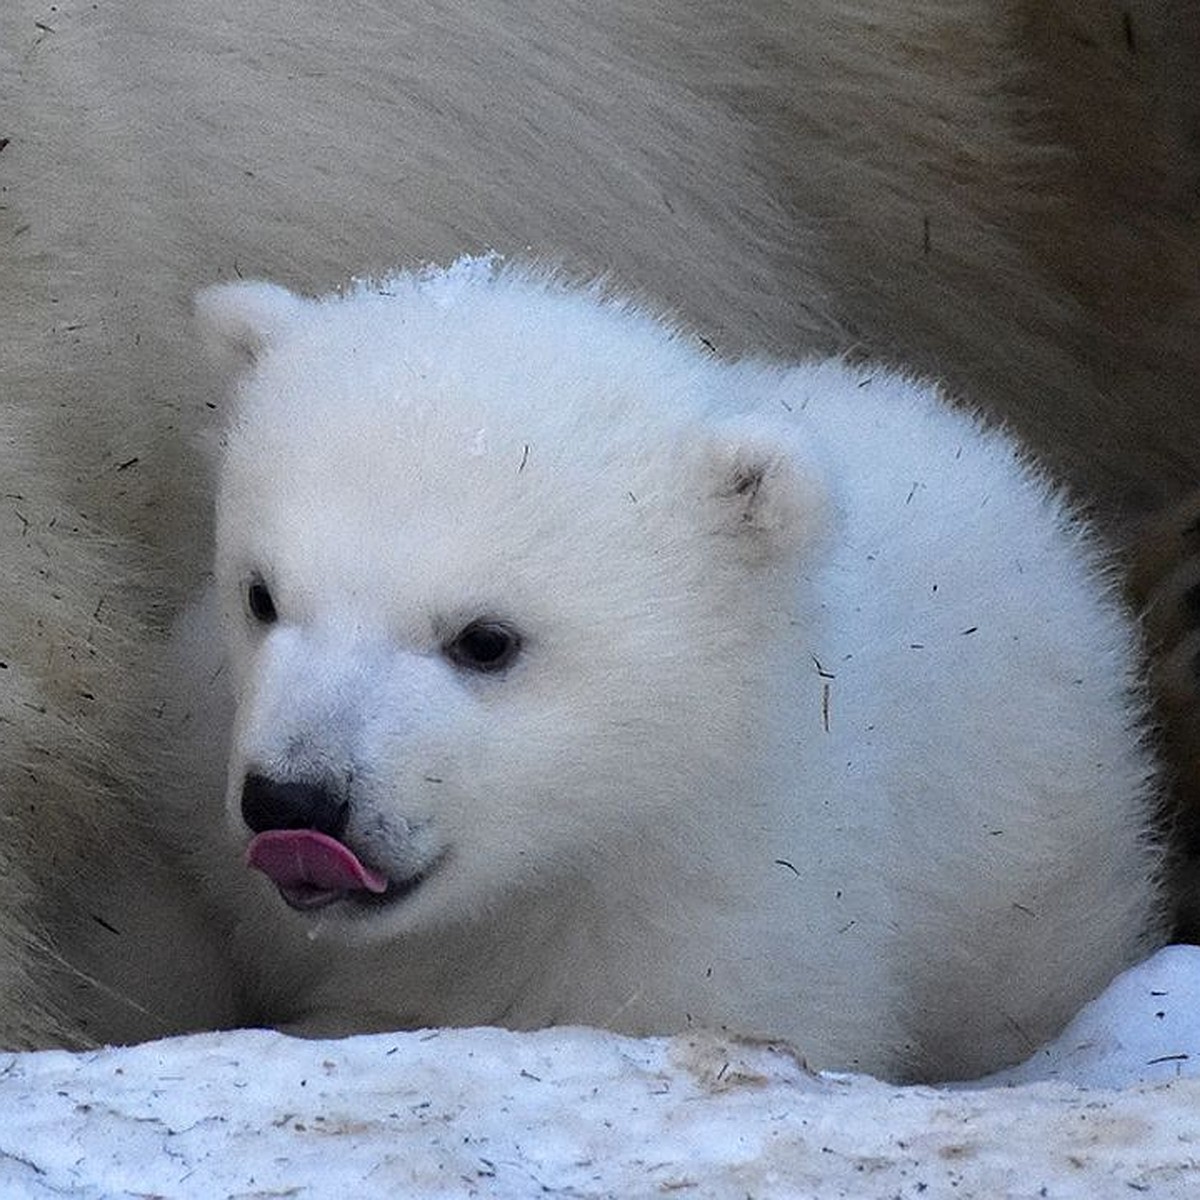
(581, 678)
(917, 181)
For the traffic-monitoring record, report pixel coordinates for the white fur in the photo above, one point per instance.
(921, 183)
(823, 727)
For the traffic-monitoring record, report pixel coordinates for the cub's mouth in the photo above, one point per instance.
(313, 870)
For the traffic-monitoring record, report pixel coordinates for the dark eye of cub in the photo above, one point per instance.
(259, 602)
(484, 646)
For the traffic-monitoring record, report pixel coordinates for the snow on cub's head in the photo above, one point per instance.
(502, 564)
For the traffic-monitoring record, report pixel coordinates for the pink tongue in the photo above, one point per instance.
(303, 858)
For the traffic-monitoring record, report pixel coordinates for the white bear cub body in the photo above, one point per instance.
(579, 677)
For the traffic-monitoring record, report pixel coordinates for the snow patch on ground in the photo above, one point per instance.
(1112, 1108)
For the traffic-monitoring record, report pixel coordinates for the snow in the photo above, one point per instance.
(1112, 1108)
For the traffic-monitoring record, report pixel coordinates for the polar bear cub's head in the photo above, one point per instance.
(502, 565)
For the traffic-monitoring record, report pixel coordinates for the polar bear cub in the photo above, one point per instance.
(580, 677)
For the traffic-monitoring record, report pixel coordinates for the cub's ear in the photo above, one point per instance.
(760, 491)
(238, 321)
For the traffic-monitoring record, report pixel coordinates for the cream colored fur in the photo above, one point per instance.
(94, 920)
(922, 183)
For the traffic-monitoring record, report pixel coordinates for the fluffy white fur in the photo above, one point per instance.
(999, 193)
(823, 723)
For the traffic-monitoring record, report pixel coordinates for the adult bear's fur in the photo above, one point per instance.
(987, 192)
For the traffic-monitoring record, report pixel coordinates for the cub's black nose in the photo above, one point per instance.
(292, 804)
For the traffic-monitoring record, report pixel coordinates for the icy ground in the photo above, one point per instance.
(1110, 1109)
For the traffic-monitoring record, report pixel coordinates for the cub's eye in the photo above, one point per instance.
(484, 646)
(259, 603)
